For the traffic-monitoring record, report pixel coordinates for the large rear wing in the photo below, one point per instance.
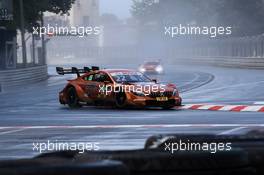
(74, 70)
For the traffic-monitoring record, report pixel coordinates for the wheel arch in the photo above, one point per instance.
(77, 88)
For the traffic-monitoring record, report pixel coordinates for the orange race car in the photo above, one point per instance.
(118, 87)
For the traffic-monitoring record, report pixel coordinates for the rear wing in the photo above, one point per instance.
(74, 70)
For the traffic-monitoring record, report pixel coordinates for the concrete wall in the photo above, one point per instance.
(23, 76)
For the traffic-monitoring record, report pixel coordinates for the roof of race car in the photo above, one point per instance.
(152, 62)
(118, 70)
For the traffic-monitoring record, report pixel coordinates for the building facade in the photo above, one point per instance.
(85, 13)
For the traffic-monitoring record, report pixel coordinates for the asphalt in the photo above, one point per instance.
(32, 114)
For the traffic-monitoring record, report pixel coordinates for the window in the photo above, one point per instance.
(101, 77)
(89, 78)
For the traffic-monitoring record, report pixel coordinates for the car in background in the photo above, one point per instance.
(151, 67)
(116, 87)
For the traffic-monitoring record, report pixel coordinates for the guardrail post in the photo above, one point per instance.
(261, 47)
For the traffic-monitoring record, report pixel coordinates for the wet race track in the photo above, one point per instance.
(32, 113)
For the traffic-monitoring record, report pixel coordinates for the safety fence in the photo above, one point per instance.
(11, 50)
(20, 77)
(16, 69)
(244, 52)
(246, 47)
(235, 49)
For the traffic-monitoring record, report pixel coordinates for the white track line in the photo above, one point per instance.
(196, 77)
(20, 128)
(232, 131)
(12, 131)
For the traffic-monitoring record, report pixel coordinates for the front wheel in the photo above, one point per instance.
(167, 107)
(73, 100)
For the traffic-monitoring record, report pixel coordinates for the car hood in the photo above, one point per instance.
(150, 66)
(151, 86)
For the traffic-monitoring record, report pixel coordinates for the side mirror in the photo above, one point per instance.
(154, 80)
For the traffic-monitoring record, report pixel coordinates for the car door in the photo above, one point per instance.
(102, 83)
(96, 85)
(90, 86)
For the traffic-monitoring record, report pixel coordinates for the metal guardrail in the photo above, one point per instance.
(17, 77)
(239, 62)
(247, 47)
(245, 52)
(226, 47)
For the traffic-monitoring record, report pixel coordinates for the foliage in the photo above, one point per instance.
(33, 10)
(246, 17)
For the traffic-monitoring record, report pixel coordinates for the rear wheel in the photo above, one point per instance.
(73, 100)
(120, 99)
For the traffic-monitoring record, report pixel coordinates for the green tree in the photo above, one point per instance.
(33, 10)
(144, 10)
(246, 17)
(33, 13)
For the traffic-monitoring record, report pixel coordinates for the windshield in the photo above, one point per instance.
(121, 77)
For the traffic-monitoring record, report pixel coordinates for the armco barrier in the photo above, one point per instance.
(16, 77)
(254, 63)
(239, 62)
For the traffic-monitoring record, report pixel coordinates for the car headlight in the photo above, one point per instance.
(159, 69)
(175, 92)
(142, 69)
(141, 94)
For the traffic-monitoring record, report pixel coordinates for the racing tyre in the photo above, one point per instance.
(73, 100)
(120, 100)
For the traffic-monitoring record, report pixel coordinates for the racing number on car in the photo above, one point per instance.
(120, 78)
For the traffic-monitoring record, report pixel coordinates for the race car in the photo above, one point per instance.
(151, 67)
(116, 87)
